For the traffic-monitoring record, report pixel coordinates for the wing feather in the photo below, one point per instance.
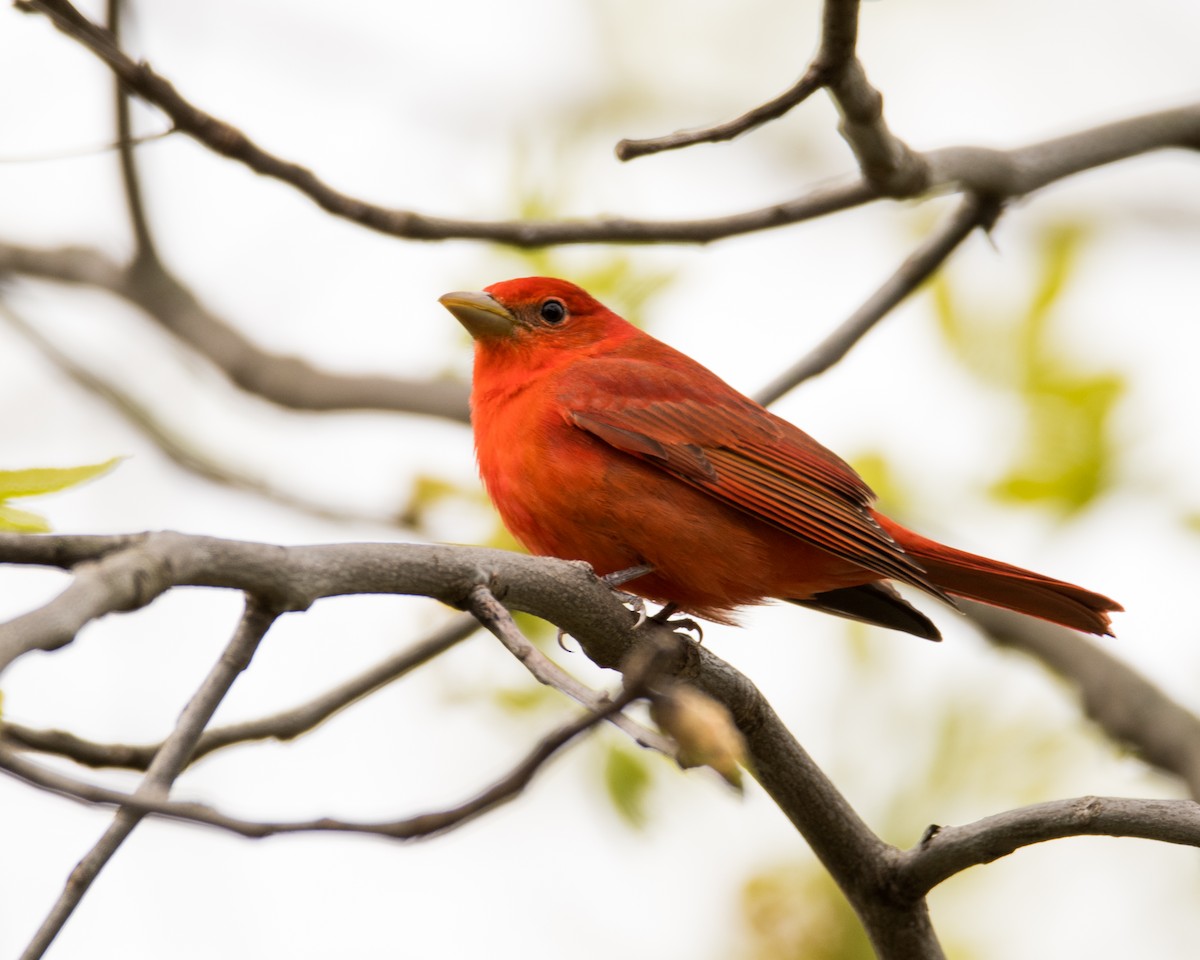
(692, 425)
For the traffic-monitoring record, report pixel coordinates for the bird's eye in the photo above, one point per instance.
(553, 311)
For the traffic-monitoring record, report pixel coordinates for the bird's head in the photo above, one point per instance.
(535, 313)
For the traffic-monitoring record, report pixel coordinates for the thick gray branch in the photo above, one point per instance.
(1124, 704)
(946, 851)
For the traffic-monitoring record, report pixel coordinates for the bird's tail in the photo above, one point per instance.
(964, 574)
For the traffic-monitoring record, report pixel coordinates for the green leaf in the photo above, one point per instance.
(524, 699)
(1066, 455)
(30, 483)
(628, 780)
(21, 521)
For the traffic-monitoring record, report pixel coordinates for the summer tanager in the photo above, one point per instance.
(598, 442)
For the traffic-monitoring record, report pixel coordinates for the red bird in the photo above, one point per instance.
(598, 442)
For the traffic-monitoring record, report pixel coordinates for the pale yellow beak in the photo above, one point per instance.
(483, 316)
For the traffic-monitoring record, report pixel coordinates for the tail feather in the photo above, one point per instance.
(964, 574)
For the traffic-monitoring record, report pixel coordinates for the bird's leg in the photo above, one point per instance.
(682, 623)
(636, 603)
(618, 577)
(614, 580)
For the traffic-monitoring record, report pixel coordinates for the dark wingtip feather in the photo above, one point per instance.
(874, 603)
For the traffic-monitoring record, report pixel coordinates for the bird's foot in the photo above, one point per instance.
(635, 603)
(679, 623)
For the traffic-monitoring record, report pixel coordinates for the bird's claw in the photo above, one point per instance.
(678, 623)
(562, 634)
(633, 601)
(688, 624)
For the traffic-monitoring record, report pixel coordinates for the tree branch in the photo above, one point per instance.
(885, 160)
(175, 447)
(285, 725)
(492, 614)
(946, 851)
(411, 828)
(126, 573)
(883, 885)
(987, 172)
(1124, 704)
(972, 212)
(287, 381)
(168, 763)
(143, 240)
(793, 96)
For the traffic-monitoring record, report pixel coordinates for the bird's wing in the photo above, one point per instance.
(692, 425)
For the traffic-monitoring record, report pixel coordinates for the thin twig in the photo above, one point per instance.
(285, 725)
(773, 109)
(143, 240)
(885, 161)
(492, 614)
(166, 767)
(410, 828)
(972, 212)
(80, 152)
(946, 851)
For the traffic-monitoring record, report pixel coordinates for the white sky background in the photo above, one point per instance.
(419, 106)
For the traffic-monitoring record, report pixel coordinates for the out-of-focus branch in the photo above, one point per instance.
(284, 725)
(227, 140)
(1124, 704)
(172, 444)
(287, 381)
(997, 173)
(886, 162)
(143, 241)
(168, 763)
(409, 828)
(946, 851)
(972, 212)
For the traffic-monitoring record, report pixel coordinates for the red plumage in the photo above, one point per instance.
(598, 442)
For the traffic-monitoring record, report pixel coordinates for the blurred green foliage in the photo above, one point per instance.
(796, 912)
(38, 481)
(627, 779)
(874, 467)
(1067, 455)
